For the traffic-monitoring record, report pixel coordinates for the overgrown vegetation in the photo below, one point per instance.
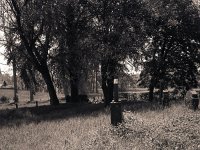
(64, 43)
(144, 127)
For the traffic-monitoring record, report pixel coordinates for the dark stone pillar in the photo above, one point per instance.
(116, 110)
(116, 113)
(195, 103)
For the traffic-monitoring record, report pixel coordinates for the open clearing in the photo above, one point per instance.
(24, 98)
(23, 95)
(87, 126)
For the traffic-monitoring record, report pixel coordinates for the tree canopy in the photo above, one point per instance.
(65, 40)
(173, 49)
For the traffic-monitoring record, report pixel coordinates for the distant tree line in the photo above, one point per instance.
(62, 42)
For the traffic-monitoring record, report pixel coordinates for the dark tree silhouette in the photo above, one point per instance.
(172, 54)
(32, 22)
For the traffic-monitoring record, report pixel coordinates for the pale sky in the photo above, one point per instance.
(4, 68)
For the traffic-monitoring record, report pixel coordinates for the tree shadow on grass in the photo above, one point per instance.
(26, 115)
(142, 106)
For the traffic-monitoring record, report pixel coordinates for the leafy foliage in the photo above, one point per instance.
(172, 53)
(67, 40)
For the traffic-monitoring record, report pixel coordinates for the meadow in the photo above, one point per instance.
(87, 127)
(24, 98)
(23, 95)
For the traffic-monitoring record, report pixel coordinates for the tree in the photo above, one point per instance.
(119, 31)
(73, 24)
(172, 54)
(32, 22)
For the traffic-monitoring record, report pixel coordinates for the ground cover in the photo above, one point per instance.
(87, 126)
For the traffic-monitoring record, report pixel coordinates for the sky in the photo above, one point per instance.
(3, 67)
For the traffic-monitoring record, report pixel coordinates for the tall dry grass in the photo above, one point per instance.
(85, 127)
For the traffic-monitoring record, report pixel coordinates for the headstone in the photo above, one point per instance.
(116, 110)
(116, 89)
(116, 113)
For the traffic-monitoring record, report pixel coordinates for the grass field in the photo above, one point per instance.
(24, 98)
(24, 95)
(87, 126)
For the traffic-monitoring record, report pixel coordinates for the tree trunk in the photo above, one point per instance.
(65, 86)
(151, 88)
(96, 81)
(74, 90)
(104, 81)
(63, 70)
(74, 68)
(74, 78)
(107, 83)
(50, 87)
(31, 85)
(161, 91)
(110, 86)
(65, 82)
(15, 80)
(83, 84)
(31, 94)
(105, 90)
(93, 81)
